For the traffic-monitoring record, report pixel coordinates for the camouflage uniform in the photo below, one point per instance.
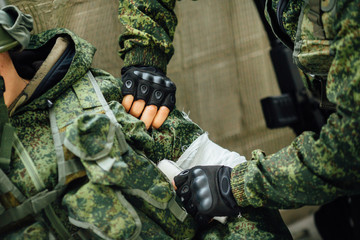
(314, 168)
(91, 196)
(83, 168)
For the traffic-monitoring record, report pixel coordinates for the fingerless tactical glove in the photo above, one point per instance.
(149, 84)
(206, 192)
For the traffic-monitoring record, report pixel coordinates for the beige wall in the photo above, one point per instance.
(222, 69)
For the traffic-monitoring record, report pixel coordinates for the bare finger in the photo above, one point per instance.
(160, 117)
(127, 101)
(148, 115)
(137, 108)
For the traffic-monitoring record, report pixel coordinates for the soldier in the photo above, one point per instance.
(315, 168)
(76, 165)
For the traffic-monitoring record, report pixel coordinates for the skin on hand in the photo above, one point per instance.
(160, 117)
(148, 115)
(173, 183)
(137, 108)
(127, 102)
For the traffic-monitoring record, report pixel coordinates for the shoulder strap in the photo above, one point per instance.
(35, 204)
(89, 97)
(6, 131)
(6, 186)
(123, 147)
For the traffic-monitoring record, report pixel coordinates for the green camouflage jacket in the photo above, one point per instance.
(150, 27)
(69, 136)
(313, 169)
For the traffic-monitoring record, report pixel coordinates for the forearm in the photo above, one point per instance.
(149, 32)
(310, 171)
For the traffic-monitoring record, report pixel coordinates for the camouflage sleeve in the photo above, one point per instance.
(149, 32)
(315, 169)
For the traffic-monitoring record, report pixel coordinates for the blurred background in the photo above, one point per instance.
(221, 67)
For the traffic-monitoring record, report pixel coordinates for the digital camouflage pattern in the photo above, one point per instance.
(131, 170)
(150, 27)
(313, 169)
(104, 200)
(290, 17)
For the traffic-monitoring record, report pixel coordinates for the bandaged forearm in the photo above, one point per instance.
(201, 152)
(205, 152)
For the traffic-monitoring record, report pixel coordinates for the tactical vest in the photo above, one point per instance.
(313, 38)
(311, 49)
(89, 141)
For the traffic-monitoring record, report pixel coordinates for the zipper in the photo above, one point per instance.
(279, 13)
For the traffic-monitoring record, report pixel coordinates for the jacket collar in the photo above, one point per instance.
(80, 64)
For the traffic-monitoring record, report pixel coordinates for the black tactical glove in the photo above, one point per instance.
(149, 84)
(205, 192)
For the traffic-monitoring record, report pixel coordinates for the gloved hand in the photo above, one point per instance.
(148, 93)
(206, 192)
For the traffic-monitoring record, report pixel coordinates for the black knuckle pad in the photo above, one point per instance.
(153, 87)
(129, 84)
(170, 101)
(156, 98)
(202, 190)
(143, 91)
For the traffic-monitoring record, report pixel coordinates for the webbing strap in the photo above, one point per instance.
(72, 166)
(7, 138)
(314, 15)
(56, 222)
(58, 149)
(29, 164)
(123, 147)
(32, 205)
(6, 131)
(172, 205)
(44, 200)
(133, 213)
(7, 186)
(178, 212)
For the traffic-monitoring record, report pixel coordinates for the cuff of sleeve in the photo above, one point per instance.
(237, 184)
(146, 57)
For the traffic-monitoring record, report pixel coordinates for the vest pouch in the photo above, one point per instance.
(312, 45)
(102, 211)
(313, 56)
(145, 186)
(169, 222)
(94, 139)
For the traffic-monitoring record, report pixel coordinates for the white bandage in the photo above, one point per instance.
(205, 152)
(201, 152)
